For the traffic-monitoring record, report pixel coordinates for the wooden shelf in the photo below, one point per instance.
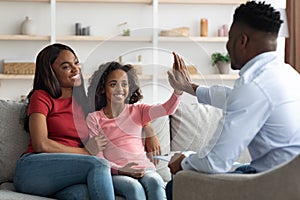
(25, 37)
(215, 77)
(222, 2)
(111, 39)
(142, 77)
(31, 76)
(225, 77)
(77, 38)
(16, 77)
(104, 38)
(192, 39)
(106, 1)
(139, 39)
(25, 1)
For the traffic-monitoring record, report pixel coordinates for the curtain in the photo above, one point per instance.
(292, 43)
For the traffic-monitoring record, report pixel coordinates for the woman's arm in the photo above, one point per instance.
(41, 142)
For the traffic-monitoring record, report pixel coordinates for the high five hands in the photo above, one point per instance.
(179, 77)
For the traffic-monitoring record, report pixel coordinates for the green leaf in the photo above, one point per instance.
(215, 57)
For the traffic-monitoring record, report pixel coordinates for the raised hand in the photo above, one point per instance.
(129, 170)
(179, 77)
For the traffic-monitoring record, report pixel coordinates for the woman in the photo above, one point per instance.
(56, 163)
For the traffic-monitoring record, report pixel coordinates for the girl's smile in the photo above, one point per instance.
(117, 87)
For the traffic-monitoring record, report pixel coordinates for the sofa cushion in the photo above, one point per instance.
(192, 125)
(161, 127)
(10, 195)
(13, 138)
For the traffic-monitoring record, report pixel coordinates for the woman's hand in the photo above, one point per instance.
(96, 144)
(179, 77)
(129, 170)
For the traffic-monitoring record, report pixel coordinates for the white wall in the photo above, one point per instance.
(103, 20)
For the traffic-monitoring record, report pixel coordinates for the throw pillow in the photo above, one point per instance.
(192, 125)
(161, 127)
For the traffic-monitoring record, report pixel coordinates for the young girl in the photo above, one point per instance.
(121, 121)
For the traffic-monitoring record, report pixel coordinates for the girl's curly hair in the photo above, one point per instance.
(97, 98)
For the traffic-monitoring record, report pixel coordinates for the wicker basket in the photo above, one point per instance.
(192, 69)
(176, 32)
(19, 67)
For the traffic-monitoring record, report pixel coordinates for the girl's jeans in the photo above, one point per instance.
(64, 176)
(150, 186)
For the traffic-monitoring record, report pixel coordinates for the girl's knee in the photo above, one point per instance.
(134, 185)
(99, 161)
(129, 187)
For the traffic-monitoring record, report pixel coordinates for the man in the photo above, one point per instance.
(260, 111)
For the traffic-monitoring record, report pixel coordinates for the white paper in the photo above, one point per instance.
(168, 157)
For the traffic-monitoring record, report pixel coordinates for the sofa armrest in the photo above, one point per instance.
(281, 182)
(278, 184)
(194, 185)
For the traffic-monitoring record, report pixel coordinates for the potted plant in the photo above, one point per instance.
(222, 61)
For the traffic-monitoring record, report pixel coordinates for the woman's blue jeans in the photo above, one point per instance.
(64, 176)
(150, 186)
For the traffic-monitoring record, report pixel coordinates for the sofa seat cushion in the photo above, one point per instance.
(7, 186)
(13, 138)
(10, 195)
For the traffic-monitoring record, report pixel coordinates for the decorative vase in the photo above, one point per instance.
(28, 27)
(223, 67)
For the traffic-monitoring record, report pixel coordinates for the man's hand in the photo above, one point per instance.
(152, 145)
(179, 77)
(129, 170)
(96, 144)
(175, 163)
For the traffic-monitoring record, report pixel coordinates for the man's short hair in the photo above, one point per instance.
(258, 15)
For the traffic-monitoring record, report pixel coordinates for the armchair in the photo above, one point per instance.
(279, 183)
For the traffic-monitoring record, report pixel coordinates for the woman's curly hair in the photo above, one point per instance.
(96, 96)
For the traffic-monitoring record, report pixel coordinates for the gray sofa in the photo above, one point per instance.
(188, 129)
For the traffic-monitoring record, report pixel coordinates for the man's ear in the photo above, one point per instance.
(244, 40)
